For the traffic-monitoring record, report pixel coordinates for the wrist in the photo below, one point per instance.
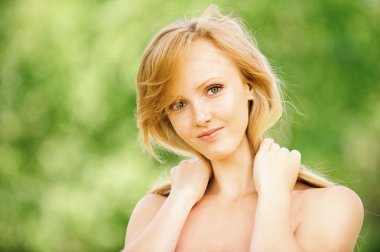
(276, 199)
(276, 189)
(184, 198)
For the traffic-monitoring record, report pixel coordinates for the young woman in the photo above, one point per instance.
(206, 91)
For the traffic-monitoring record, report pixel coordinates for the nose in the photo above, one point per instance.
(202, 114)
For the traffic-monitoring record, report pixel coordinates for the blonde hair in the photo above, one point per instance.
(159, 66)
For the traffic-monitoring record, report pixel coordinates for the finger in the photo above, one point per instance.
(265, 143)
(182, 162)
(193, 160)
(274, 147)
(186, 162)
(295, 154)
(172, 171)
(284, 150)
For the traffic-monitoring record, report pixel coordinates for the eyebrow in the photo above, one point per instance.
(200, 86)
(204, 83)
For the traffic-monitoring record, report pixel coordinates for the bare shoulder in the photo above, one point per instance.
(335, 199)
(326, 212)
(143, 213)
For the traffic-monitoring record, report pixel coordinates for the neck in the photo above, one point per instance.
(233, 176)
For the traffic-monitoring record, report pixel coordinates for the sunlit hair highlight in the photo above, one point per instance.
(158, 69)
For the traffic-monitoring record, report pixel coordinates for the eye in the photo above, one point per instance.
(177, 106)
(214, 89)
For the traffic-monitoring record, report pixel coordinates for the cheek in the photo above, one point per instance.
(232, 106)
(180, 124)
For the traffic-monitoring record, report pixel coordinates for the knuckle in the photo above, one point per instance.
(172, 171)
(283, 149)
(275, 145)
(184, 162)
(295, 152)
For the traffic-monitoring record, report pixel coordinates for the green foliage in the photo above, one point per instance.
(71, 169)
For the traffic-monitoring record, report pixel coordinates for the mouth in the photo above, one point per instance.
(210, 134)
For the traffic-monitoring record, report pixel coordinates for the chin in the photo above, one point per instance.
(218, 154)
(223, 150)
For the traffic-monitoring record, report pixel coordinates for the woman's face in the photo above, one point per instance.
(211, 99)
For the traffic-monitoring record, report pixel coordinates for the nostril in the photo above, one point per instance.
(203, 118)
(201, 114)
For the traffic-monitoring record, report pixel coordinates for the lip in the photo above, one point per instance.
(210, 134)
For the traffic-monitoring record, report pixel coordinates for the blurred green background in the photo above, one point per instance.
(71, 168)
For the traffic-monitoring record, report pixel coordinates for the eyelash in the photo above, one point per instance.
(215, 86)
(172, 107)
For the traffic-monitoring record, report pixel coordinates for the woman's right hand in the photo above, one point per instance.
(190, 179)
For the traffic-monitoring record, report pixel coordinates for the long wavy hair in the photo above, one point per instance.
(159, 65)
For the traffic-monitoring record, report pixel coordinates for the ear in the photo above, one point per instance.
(250, 92)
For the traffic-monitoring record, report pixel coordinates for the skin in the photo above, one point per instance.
(252, 203)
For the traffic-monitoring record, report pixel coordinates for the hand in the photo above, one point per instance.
(190, 179)
(275, 167)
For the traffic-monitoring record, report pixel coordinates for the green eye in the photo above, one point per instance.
(177, 106)
(214, 90)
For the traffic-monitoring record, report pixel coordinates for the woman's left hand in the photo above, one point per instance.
(275, 167)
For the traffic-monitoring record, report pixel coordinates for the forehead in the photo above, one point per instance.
(202, 61)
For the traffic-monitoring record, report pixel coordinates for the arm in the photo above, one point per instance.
(275, 174)
(332, 219)
(156, 223)
(272, 229)
(332, 222)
